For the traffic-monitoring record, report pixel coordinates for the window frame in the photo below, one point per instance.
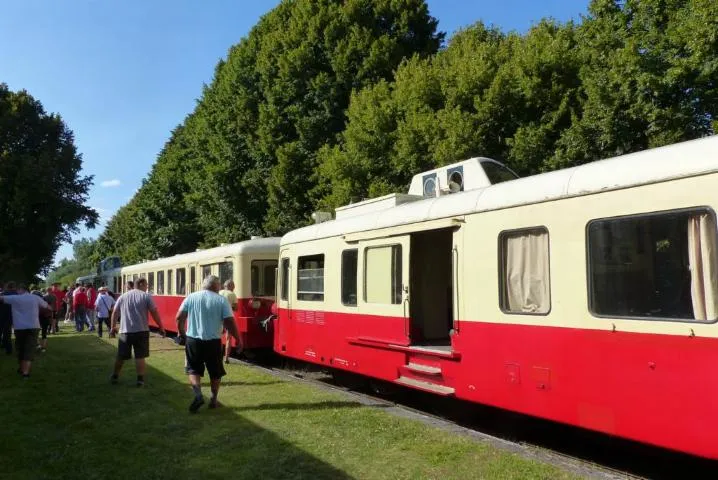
(589, 271)
(184, 281)
(502, 270)
(324, 275)
(356, 278)
(160, 275)
(366, 249)
(261, 266)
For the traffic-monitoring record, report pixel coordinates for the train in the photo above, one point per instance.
(586, 296)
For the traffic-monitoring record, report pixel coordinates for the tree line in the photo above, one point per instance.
(326, 102)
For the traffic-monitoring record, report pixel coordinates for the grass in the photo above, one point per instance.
(67, 421)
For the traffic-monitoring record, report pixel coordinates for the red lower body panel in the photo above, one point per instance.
(657, 389)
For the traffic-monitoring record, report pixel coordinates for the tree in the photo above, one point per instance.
(83, 263)
(42, 192)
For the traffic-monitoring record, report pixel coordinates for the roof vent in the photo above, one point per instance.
(470, 174)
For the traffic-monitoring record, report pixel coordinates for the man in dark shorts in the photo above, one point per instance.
(134, 306)
(205, 313)
(26, 311)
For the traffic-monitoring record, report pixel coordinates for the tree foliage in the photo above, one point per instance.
(42, 192)
(69, 269)
(327, 102)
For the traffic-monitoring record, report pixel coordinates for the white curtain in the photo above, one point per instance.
(527, 272)
(702, 259)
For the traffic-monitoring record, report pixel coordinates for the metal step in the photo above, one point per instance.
(425, 386)
(426, 369)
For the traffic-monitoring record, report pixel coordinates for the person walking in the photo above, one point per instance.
(46, 318)
(79, 307)
(91, 298)
(26, 311)
(134, 306)
(228, 293)
(6, 320)
(56, 292)
(103, 307)
(204, 313)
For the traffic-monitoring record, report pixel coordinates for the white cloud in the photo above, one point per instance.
(111, 183)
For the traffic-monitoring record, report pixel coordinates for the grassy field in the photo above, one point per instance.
(67, 421)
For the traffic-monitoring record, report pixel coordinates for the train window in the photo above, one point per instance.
(192, 279)
(134, 278)
(382, 274)
(206, 271)
(262, 276)
(150, 282)
(226, 272)
(654, 266)
(169, 282)
(160, 283)
(525, 280)
(285, 279)
(310, 278)
(181, 281)
(349, 277)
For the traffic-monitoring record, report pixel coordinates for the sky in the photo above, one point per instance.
(124, 73)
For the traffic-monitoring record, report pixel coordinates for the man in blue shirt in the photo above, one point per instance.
(205, 313)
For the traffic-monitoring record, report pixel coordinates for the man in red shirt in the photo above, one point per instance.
(79, 306)
(92, 298)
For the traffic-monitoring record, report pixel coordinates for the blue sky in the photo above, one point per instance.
(124, 73)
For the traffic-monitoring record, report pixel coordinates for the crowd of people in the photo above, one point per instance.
(201, 319)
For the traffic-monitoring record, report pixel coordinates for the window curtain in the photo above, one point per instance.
(702, 259)
(527, 272)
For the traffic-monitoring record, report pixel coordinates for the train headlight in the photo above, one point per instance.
(256, 303)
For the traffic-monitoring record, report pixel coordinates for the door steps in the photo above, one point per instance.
(425, 369)
(426, 386)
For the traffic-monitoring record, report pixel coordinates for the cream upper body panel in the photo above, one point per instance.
(682, 176)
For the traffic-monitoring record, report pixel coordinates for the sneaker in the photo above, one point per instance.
(113, 379)
(196, 403)
(43, 350)
(140, 383)
(213, 403)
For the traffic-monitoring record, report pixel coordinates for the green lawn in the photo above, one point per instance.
(67, 421)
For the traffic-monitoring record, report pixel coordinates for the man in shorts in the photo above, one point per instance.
(228, 293)
(134, 306)
(205, 313)
(26, 311)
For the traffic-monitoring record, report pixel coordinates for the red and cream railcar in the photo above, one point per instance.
(251, 264)
(587, 296)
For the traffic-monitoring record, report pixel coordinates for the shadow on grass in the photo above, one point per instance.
(328, 405)
(239, 383)
(67, 421)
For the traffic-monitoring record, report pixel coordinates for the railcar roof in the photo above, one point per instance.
(269, 246)
(686, 159)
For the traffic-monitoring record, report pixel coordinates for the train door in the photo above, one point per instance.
(284, 301)
(433, 271)
(384, 304)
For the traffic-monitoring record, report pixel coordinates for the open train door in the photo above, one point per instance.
(384, 302)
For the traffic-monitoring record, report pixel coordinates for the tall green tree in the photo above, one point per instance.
(43, 194)
(281, 95)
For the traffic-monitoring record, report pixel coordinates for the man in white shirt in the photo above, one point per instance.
(26, 309)
(103, 307)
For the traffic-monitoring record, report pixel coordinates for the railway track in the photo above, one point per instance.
(584, 453)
